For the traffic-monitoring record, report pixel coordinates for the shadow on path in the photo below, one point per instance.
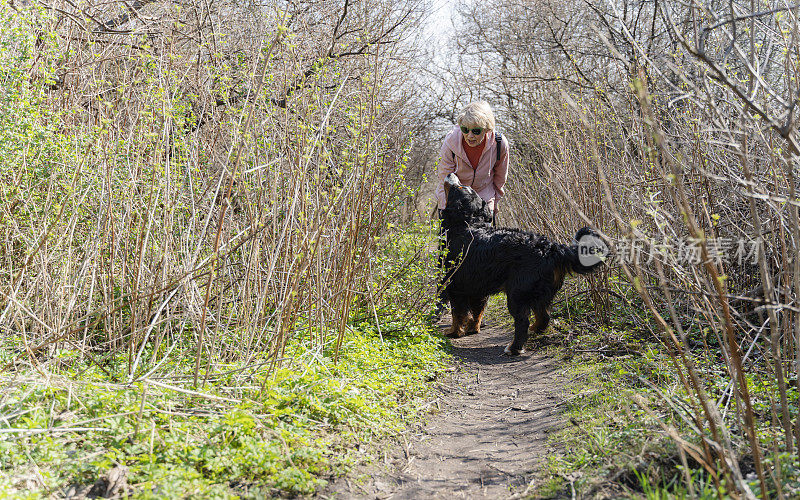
(489, 435)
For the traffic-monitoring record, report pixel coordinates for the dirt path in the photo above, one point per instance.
(488, 436)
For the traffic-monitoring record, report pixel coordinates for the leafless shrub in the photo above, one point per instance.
(224, 173)
(673, 127)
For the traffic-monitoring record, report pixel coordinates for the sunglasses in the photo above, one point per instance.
(475, 131)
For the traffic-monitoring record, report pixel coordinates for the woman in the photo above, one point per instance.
(478, 155)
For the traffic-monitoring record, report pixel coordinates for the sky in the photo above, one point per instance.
(440, 22)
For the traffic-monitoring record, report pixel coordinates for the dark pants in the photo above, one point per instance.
(441, 297)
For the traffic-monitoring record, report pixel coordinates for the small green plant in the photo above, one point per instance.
(289, 435)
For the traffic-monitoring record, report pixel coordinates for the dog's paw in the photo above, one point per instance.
(513, 352)
(454, 334)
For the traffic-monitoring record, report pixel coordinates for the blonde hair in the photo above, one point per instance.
(477, 114)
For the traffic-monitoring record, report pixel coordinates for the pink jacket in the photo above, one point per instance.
(487, 179)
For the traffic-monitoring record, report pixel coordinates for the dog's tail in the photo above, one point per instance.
(587, 252)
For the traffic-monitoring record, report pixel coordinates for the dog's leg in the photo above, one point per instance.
(542, 320)
(477, 305)
(520, 311)
(460, 307)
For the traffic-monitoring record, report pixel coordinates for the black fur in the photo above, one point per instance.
(482, 261)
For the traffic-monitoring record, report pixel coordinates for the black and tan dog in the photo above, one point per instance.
(482, 261)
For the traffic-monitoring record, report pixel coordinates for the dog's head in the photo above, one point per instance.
(463, 204)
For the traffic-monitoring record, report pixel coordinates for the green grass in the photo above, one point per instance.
(69, 428)
(612, 447)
